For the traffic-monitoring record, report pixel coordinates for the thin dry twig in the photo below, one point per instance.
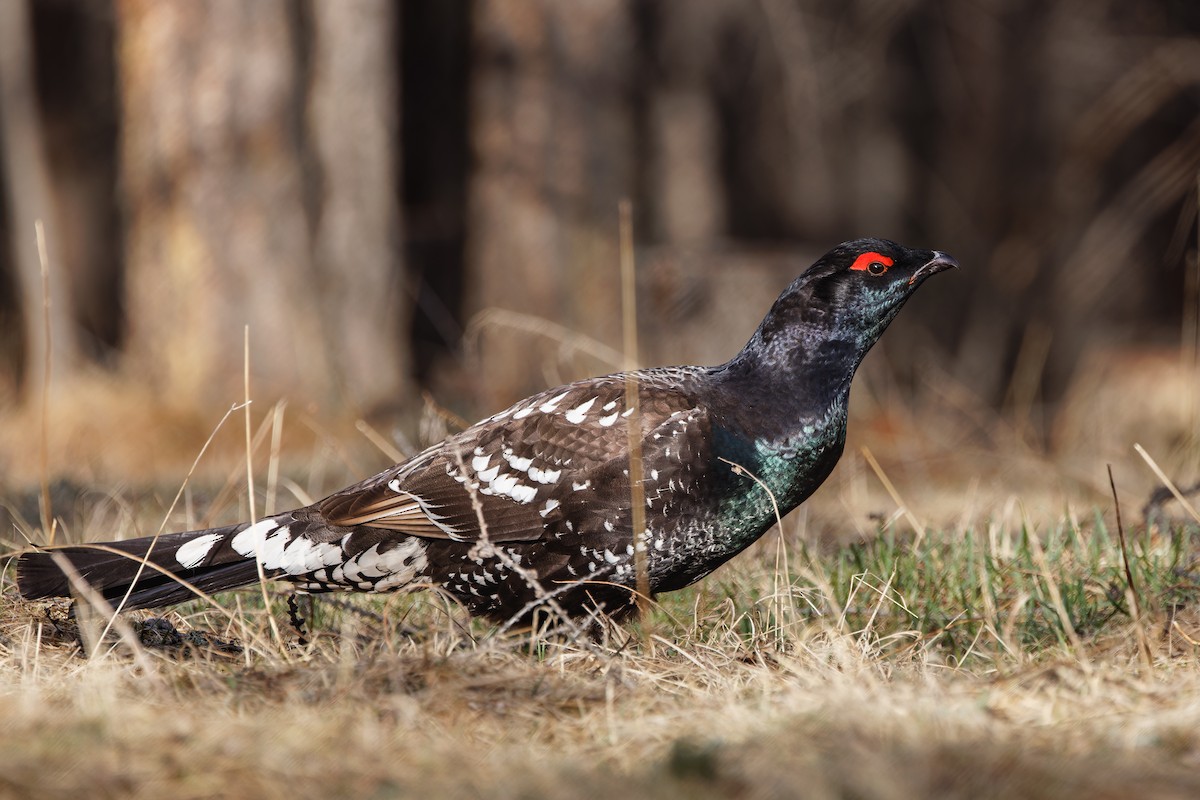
(1135, 604)
(569, 341)
(1162, 476)
(917, 526)
(261, 543)
(738, 469)
(379, 440)
(47, 367)
(484, 548)
(273, 462)
(637, 487)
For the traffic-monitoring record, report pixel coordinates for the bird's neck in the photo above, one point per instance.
(782, 421)
(780, 390)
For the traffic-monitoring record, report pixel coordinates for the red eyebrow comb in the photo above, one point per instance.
(867, 259)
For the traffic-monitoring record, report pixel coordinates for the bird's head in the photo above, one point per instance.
(860, 286)
(840, 306)
(850, 294)
(806, 350)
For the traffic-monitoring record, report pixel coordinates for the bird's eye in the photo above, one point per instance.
(874, 263)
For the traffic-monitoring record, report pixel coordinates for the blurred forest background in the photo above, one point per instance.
(413, 197)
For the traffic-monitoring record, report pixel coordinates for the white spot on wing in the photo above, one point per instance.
(518, 463)
(550, 506)
(522, 493)
(552, 403)
(272, 549)
(480, 462)
(523, 413)
(508, 485)
(193, 552)
(246, 542)
(502, 484)
(609, 420)
(544, 475)
(576, 414)
(303, 556)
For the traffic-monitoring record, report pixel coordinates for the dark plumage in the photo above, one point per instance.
(536, 501)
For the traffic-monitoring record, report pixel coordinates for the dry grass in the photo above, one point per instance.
(422, 720)
(994, 655)
(915, 679)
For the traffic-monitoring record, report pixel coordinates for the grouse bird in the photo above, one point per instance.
(533, 506)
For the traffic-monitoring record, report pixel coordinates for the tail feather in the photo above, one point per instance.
(203, 559)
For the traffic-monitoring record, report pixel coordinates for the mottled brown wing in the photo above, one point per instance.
(514, 469)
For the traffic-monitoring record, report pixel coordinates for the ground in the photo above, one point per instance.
(1021, 645)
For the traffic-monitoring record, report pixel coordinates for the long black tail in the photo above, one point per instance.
(205, 559)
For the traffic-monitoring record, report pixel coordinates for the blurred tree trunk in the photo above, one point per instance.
(684, 191)
(552, 140)
(217, 233)
(76, 80)
(29, 199)
(233, 221)
(352, 118)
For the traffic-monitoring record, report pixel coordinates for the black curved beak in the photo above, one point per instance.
(939, 263)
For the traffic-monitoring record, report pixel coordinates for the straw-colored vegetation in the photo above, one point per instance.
(1009, 651)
